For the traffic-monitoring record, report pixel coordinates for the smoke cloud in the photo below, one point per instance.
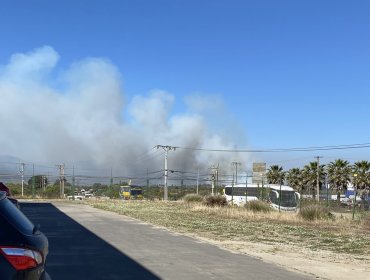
(76, 116)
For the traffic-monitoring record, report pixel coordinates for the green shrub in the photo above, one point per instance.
(50, 192)
(258, 206)
(315, 212)
(193, 197)
(215, 200)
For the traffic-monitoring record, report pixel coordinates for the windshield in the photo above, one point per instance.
(288, 198)
(136, 192)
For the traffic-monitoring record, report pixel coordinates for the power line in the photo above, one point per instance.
(277, 150)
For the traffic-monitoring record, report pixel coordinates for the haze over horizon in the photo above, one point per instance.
(98, 85)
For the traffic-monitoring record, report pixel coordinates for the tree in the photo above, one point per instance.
(309, 175)
(275, 175)
(294, 179)
(339, 175)
(361, 174)
(41, 181)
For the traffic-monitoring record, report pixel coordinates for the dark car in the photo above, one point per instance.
(9, 194)
(23, 247)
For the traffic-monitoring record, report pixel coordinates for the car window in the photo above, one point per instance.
(15, 217)
(6, 230)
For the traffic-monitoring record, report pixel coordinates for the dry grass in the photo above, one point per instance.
(237, 223)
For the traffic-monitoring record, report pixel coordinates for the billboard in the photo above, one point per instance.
(259, 171)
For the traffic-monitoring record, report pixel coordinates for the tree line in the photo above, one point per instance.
(339, 174)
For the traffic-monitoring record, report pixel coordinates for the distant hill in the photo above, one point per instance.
(9, 168)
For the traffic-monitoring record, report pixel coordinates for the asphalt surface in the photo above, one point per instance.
(87, 243)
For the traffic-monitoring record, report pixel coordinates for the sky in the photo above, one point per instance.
(104, 82)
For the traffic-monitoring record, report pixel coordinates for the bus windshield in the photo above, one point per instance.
(288, 198)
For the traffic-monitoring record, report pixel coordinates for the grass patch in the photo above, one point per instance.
(315, 212)
(192, 197)
(241, 224)
(366, 222)
(258, 206)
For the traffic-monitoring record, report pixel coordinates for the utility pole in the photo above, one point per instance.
(166, 149)
(147, 178)
(61, 179)
(182, 183)
(111, 178)
(318, 179)
(43, 182)
(234, 163)
(22, 174)
(33, 180)
(73, 184)
(198, 182)
(214, 178)
(246, 187)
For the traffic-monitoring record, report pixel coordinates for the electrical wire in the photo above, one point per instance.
(276, 150)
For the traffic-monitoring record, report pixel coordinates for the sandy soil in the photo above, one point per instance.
(320, 264)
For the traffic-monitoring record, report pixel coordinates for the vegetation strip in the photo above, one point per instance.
(339, 235)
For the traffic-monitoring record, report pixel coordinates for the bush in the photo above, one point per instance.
(258, 206)
(51, 192)
(215, 200)
(315, 212)
(192, 197)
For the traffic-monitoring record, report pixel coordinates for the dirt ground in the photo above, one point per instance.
(319, 264)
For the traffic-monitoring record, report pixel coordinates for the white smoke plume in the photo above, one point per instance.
(77, 117)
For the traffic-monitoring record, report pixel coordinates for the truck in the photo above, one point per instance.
(131, 192)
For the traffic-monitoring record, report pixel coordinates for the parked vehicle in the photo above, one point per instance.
(23, 247)
(284, 198)
(9, 194)
(131, 192)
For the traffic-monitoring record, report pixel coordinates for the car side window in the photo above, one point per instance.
(15, 217)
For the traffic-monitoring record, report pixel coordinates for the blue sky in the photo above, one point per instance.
(290, 73)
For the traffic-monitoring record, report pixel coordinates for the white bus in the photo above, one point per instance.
(282, 197)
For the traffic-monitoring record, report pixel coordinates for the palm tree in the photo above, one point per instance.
(339, 175)
(294, 179)
(361, 172)
(275, 175)
(309, 175)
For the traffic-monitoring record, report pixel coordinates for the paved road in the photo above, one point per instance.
(87, 243)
